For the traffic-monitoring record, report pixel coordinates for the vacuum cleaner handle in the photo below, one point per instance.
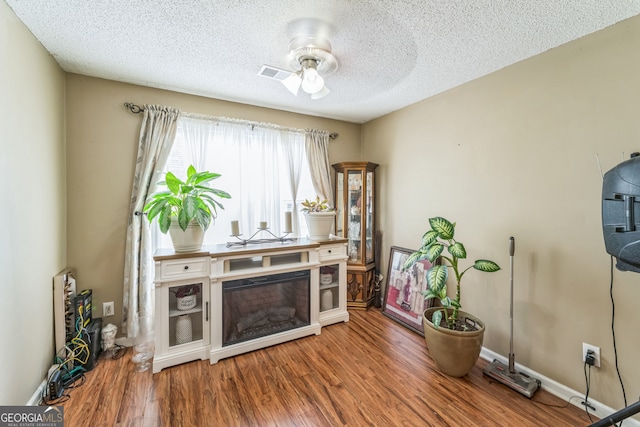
(512, 357)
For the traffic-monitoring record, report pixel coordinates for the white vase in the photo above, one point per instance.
(186, 303)
(142, 355)
(320, 224)
(326, 300)
(184, 331)
(144, 343)
(189, 240)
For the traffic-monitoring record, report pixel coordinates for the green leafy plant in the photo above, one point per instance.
(317, 205)
(434, 241)
(186, 201)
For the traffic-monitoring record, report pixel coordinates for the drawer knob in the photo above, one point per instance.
(329, 250)
(186, 267)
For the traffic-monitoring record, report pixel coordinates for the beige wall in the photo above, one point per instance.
(101, 146)
(514, 154)
(32, 206)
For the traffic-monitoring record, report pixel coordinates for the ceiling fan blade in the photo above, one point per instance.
(321, 93)
(291, 80)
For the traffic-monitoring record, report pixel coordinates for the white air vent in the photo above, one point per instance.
(273, 73)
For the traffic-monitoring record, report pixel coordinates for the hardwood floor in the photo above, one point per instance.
(370, 371)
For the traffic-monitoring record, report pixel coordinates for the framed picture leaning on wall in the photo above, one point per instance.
(403, 299)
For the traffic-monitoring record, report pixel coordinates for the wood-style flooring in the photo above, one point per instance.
(370, 371)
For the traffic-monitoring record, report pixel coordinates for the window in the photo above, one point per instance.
(256, 166)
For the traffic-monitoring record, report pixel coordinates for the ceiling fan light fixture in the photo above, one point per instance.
(312, 82)
(292, 83)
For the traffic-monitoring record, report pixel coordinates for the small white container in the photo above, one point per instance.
(186, 303)
(326, 279)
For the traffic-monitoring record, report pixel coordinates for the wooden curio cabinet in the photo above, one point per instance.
(355, 221)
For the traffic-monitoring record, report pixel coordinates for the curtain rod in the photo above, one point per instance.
(136, 109)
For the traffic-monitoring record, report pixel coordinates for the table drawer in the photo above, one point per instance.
(331, 252)
(188, 267)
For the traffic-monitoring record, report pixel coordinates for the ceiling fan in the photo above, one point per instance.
(309, 58)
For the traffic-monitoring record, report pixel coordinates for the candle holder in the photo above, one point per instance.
(252, 241)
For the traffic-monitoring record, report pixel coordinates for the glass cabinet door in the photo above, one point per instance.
(185, 313)
(340, 215)
(368, 218)
(329, 287)
(354, 206)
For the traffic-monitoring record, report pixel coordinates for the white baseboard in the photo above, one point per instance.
(563, 392)
(124, 341)
(34, 400)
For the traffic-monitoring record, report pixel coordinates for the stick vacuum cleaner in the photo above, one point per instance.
(508, 375)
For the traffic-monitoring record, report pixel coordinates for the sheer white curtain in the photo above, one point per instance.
(292, 152)
(197, 133)
(261, 166)
(157, 133)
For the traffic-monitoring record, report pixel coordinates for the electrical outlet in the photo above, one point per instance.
(596, 353)
(107, 309)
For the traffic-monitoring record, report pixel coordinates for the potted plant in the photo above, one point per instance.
(186, 209)
(186, 296)
(454, 337)
(319, 216)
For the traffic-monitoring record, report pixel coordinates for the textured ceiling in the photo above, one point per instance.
(390, 53)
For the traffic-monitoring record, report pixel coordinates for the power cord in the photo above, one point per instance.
(613, 334)
(587, 379)
(551, 405)
(118, 351)
(46, 402)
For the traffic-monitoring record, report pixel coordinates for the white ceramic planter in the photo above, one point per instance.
(189, 240)
(320, 224)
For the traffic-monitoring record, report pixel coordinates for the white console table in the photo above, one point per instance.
(208, 269)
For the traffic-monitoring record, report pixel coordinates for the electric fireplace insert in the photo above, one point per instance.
(257, 307)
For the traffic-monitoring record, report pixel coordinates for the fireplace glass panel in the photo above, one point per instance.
(261, 306)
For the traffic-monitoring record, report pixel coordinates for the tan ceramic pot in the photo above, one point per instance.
(455, 352)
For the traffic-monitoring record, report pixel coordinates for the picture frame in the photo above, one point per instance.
(403, 299)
